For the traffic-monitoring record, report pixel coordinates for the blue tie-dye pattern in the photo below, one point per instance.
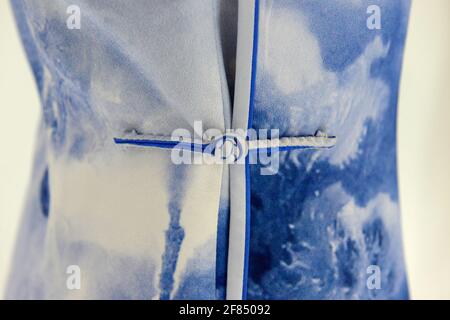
(80, 121)
(175, 233)
(222, 250)
(300, 247)
(295, 252)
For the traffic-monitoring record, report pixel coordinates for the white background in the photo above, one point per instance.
(423, 144)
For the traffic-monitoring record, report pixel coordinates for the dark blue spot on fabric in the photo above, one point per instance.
(45, 194)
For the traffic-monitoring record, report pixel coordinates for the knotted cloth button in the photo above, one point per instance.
(229, 147)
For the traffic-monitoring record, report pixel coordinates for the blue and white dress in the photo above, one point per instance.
(107, 197)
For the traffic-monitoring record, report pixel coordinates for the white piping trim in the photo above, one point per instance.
(238, 192)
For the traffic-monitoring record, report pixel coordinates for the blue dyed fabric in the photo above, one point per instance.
(141, 227)
(327, 216)
(136, 225)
